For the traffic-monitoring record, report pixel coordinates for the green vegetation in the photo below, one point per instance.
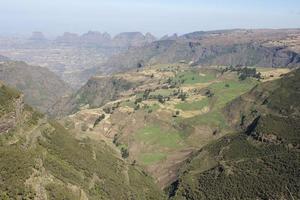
(151, 158)
(7, 98)
(226, 91)
(253, 164)
(77, 162)
(162, 92)
(267, 170)
(151, 108)
(60, 191)
(214, 119)
(154, 135)
(34, 115)
(15, 168)
(223, 92)
(193, 77)
(128, 103)
(195, 105)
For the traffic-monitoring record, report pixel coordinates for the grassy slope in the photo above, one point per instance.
(152, 135)
(71, 162)
(64, 167)
(224, 91)
(240, 167)
(246, 170)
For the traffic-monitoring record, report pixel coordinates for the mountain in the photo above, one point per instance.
(172, 37)
(258, 161)
(129, 39)
(68, 38)
(38, 37)
(41, 87)
(165, 120)
(43, 160)
(97, 39)
(268, 48)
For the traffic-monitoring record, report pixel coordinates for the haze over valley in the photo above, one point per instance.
(202, 102)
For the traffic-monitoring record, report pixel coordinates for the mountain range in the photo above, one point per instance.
(205, 115)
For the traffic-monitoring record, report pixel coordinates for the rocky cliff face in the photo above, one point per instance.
(171, 51)
(265, 48)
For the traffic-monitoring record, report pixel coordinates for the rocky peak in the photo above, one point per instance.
(95, 37)
(67, 37)
(37, 36)
(150, 38)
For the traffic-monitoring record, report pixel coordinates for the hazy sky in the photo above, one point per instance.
(157, 16)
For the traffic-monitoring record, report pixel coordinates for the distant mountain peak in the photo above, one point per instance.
(37, 36)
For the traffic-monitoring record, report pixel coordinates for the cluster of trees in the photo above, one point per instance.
(243, 72)
(123, 149)
(248, 72)
(99, 119)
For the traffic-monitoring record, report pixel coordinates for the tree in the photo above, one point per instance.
(161, 99)
(137, 107)
(182, 96)
(99, 119)
(124, 152)
(138, 100)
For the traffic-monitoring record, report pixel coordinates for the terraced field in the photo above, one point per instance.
(162, 122)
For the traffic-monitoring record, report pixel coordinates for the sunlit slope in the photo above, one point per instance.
(259, 162)
(162, 121)
(41, 159)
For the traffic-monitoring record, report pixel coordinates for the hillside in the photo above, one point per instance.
(41, 87)
(40, 159)
(95, 93)
(193, 132)
(257, 162)
(267, 48)
(161, 115)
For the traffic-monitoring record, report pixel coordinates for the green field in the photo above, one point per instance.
(151, 108)
(129, 104)
(162, 92)
(191, 77)
(213, 119)
(195, 105)
(154, 135)
(226, 91)
(151, 158)
(223, 92)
